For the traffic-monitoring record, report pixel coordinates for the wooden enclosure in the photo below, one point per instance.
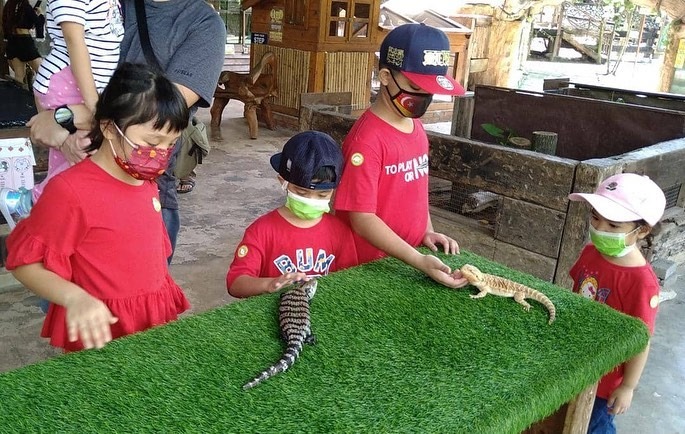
(663, 100)
(587, 128)
(536, 228)
(328, 46)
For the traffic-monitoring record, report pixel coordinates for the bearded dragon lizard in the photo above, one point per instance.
(495, 285)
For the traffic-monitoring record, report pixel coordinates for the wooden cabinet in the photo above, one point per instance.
(348, 20)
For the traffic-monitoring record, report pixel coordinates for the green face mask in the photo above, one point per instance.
(306, 208)
(611, 243)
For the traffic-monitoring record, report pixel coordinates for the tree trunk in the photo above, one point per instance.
(675, 34)
(545, 142)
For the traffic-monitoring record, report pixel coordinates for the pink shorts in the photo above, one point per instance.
(61, 90)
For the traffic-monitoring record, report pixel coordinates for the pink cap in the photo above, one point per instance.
(626, 197)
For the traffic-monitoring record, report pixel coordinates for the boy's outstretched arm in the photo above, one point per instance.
(620, 400)
(374, 230)
(248, 286)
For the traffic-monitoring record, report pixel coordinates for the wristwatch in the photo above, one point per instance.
(65, 118)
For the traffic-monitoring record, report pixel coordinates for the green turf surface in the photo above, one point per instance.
(395, 353)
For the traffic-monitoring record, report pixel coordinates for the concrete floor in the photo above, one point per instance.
(234, 186)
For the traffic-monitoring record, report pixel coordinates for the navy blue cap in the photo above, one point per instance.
(304, 155)
(422, 53)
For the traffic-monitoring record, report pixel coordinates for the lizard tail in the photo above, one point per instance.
(542, 298)
(292, 352)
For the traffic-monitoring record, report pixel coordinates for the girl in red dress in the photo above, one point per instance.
(95, 245)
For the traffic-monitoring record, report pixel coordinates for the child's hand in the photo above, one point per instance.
(430, 239)
(620, 400)
(441, 273)
(89, 319)
(286, 279)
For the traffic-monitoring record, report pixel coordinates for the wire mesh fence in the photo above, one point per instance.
(468, 201)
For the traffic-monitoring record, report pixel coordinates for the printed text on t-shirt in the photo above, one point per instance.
(411, 169)
(305, 262)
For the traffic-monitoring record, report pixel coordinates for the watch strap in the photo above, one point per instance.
(67, 124)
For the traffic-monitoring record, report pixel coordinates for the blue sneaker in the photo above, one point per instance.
(15, 205)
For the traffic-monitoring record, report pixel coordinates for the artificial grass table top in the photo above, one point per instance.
(395, 352)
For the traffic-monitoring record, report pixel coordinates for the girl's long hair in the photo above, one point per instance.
(137, 94)
(12, 14)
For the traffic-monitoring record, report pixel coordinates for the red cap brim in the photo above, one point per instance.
(436, 84)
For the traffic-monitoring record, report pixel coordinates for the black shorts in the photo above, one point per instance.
(22, 47)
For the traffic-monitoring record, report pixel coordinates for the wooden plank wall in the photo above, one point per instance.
(649, 99)
(349, 72)
(291, 63)
(304, 36)
(524, 175)
(478, 45)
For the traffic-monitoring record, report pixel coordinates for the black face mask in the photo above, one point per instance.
(409, 104)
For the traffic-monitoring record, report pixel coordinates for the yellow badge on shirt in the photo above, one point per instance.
(357, 159)
(242, 251)
(654, 302)
(156, 205)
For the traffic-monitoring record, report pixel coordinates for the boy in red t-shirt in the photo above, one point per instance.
(300, 239)
(383, 193)
(613, 271)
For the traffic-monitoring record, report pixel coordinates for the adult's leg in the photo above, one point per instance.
(172, 222)
(35, 64)
(19, 69)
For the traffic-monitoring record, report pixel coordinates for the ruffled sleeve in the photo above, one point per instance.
(51, 233)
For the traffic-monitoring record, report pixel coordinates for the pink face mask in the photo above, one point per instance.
(146, 162)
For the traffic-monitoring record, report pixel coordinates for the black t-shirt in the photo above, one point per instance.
(26, 17)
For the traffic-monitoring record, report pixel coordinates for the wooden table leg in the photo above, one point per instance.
(571, 418)
(579, 411)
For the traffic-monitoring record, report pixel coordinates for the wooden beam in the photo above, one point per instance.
(246, 4)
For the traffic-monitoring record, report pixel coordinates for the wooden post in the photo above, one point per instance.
(579, 411)
(639, 37)
(545, 142)
(600, 40)
(560, 31)
(462, 115)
